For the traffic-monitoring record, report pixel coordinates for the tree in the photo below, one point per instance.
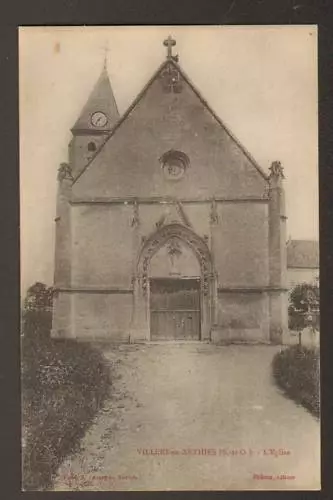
(37, 311)
(304, 308)
(39, 296)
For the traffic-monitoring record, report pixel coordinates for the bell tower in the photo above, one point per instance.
(95, 122)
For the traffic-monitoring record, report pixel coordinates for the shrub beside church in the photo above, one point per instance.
(63, 385)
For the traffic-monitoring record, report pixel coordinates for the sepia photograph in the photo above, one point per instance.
(170, 309)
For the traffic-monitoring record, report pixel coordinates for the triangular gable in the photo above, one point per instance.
(197, 93)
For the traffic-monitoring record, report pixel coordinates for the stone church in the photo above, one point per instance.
(166, 227)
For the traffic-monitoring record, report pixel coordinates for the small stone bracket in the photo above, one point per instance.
(65, 172)
(136, 217)
(214, 216)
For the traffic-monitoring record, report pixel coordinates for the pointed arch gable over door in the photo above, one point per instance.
(206, 280)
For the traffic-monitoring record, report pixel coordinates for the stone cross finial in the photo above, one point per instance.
(169, 43)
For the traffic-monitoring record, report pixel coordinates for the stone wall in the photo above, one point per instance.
(101, 246)
(103, 253)
(242, 316)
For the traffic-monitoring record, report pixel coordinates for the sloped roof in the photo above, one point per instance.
(100, 99)
(196, 91)
(303, 254)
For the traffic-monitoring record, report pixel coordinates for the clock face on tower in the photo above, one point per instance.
(99, 119)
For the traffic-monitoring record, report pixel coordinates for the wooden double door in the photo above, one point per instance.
(175, 309)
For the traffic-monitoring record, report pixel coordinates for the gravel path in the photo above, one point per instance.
(195, 416)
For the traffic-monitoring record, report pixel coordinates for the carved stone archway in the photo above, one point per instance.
(140, 321)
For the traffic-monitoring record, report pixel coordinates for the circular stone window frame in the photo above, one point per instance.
(177, 158)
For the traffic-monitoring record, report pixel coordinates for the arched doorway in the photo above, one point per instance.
(175, 286)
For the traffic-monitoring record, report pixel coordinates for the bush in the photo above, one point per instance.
(296, 371)
(63, 385)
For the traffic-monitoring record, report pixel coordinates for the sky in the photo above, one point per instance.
(260, 80)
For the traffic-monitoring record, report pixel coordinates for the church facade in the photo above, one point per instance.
(166, 227)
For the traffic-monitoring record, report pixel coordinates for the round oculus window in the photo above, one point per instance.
(174, 164)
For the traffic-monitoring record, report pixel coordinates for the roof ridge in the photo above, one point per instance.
(303, 254)
(305, 240)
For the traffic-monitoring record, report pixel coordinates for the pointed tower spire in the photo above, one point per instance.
(100, 113)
